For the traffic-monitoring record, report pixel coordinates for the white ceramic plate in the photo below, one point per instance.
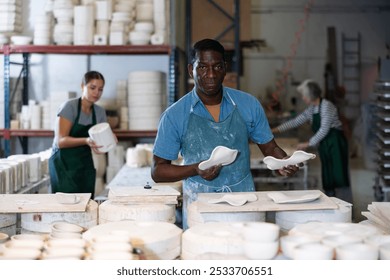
(280, 198)
(296, 158)
(235, 199)
(220, 155)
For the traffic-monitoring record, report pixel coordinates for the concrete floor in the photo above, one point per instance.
(362, 182)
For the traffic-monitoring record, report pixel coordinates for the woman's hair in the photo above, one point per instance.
(309, 89)
(92, 75)
(206, 45)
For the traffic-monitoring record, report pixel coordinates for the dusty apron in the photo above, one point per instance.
(333, 151)
(72, 169)
(202, 136)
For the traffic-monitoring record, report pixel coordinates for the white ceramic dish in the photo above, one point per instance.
(296, 158)
(220, 155)
(289, 242)
(67, 198)
(261, 250)
(235, 199)
(280, 197)
(357, 251)
(66, 227)
(260, 232)
(312, 251)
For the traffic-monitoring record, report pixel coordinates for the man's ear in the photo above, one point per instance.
(190, 68)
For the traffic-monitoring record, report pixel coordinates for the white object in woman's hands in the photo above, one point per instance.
(296, 158)
(220, 155)
(235, 199)
(103, 136)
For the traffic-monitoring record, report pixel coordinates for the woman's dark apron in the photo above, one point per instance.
(72, 169)
(333, 151)
(202, 136)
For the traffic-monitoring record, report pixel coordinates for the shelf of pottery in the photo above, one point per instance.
(125, 27)
(24, 173)
(382, 102)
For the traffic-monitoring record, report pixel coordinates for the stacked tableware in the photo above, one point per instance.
(66, 230)
(23, 247)
(379, 215)
(160, 16)
(34, 165)
(11, 17)
(63, 29)
(64, 248)
(43, 29)
(103, 13)
(146, 91)
(84, 25)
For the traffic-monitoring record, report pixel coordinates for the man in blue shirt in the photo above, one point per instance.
(209, 116)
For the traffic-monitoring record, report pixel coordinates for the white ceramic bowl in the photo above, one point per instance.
(24, 243)
(289, 242)
(357, 251)
(64, 234)
(384, 251)
(66, 227)
(377, 239)
(261, 250)
(313, 251)
(21, 254)
(3, 237)
(338, 240)
(64, 252)
(260, 232)
(27, 237)
(63, 242)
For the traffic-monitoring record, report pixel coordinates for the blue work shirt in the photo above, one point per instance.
(174, 121)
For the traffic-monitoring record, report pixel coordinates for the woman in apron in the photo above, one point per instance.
(328, 137)
(211, 115)
(71, 165)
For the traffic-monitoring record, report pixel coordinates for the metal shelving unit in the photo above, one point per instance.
(382, 103)
(27, 50)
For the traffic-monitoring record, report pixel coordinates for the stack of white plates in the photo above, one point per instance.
(84, 25)
(11, 17)
(146, 92)
(160, 16)
(121, 23)
(144, 10)
(43, 29)
(157, 240)
(63, 30)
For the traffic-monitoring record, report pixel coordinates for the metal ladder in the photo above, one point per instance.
(351, 74)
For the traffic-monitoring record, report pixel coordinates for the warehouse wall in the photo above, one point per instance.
(277, 22)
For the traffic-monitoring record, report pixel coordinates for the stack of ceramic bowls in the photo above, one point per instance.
(63, 29)
(261, 240)
(141, 33)
(84, 25)
(66, 230)
(121, 24)
(115, 245)
(160, 35)
(64, 248)
(103, 13)
(289, 242)
(43, 29)
(23, 247)
(11, 17)
(16, 173)
(7, 178)
(146, 92)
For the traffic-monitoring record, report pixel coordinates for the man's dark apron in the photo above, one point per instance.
(72, 169)
(333, 151)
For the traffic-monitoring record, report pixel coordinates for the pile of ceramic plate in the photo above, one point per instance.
(122, 21)
(23, 247)
(63, 29)
(84, 25)
(64, 248)
(103, 12)
(378, 215)
(11, 17)
(43, 29)
(160, 12)
(156, 240)
(146, 92)
(66, 230)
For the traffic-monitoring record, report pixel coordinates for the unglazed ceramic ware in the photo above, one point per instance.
(357, 251)
(296, 158)
(102, 134)
(235, 199)
(260, 232)
(220, 155)
(280, 197)
(67, 198)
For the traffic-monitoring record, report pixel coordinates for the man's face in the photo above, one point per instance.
(208, 72)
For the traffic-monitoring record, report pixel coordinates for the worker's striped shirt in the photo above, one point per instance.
(329, 119)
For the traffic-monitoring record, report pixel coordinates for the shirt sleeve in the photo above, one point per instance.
(328, 113)
(167, 143)
(259, 129)
(299, 120)
(68, 111)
